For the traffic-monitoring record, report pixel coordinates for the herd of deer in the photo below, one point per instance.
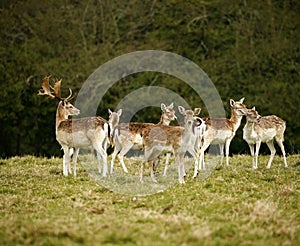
(194, 136)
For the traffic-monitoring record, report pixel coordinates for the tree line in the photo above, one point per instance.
(248, 49)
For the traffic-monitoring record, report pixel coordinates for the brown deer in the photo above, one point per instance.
(73, 134)
(129, 135)
(264, 129)
(221, 131)
(161, 138)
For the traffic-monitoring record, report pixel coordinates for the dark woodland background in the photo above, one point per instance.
(248, 49)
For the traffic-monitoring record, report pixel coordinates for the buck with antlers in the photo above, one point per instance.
(160, 138)
(129, 135)
(73, 134)
(263, 129)
(221, 131)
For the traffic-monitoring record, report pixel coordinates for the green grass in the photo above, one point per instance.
(232, 206)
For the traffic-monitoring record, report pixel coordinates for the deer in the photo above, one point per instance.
(73, 134)
(129, 135)
(113, 119)
(221, 131)
(158, 139)
(198, 130)
(264, 129)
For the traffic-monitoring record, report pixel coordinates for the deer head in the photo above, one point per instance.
(238, 106)
(189, 115)
(253, 116)
(65, 108)
(114, 118)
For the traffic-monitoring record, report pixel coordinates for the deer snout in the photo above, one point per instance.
(190, 122)
(258, 119)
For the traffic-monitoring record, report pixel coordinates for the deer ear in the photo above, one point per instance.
(232, 102)
(197, 111)
(109, 111)
(171, 106)
(163, 107)
(242, 100)
(119, 112)
(181, 110)
(253, 108)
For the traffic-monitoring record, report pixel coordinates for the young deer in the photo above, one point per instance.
(198, 130)
(113, 119)
(160, 138)
(264, 129)
(128, 135)
(221, 131)
(73, 134)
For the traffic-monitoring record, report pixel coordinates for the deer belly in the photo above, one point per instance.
(137, 140)
(250, 136)
(78, 140)
(220, 136)
(268, 134)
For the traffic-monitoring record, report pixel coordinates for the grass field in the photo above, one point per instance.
(232, 206)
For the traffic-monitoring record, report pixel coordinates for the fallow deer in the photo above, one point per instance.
(73, 134)
(113, 119)
(129, 135)
(221, 131)
(198, 130)
(160, 138)
(264, 129)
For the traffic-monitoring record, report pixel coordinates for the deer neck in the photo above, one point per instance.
(249, 125)
(235, 119)
(60, 115)
(164, 120)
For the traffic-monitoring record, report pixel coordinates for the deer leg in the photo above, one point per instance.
(113, 157)
(125, 148)
(167, 164)
(156, 163)
(142, 172)
(280, 143)
(258, 143)
(273, 151)
(193, 152)
(152, 172)
(227, 145)
(221, 147)
(183, 173)
(251, 147)
(66, 160)
(180, 168)
(75, 155)
(201, 161)
(101, 155)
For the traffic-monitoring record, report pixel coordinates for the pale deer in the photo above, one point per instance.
(129, 135)
(198, 130)
(160, 138)
(221, 131)
(113, 119)
(264, 129)
(73, 134)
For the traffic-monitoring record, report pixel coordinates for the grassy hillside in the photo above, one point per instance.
(234, 205)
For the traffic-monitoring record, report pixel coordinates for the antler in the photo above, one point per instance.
(52, 92)
(46, 89)
(70, 96)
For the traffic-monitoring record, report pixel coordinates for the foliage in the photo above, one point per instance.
(234, 205)
(248, 48)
